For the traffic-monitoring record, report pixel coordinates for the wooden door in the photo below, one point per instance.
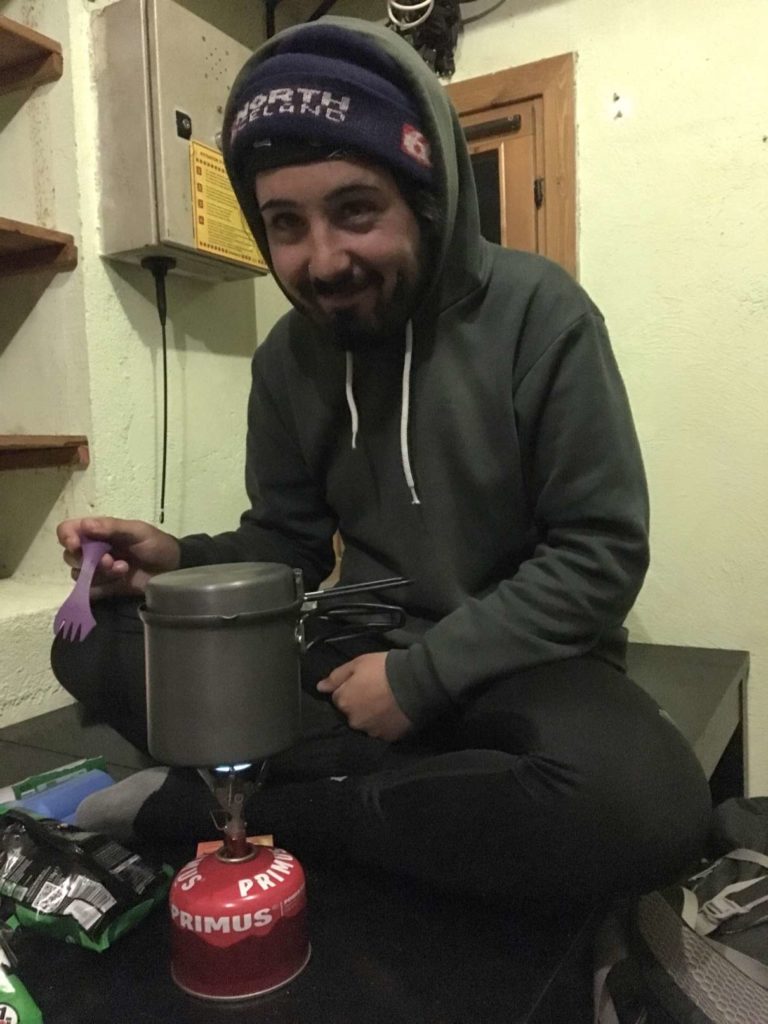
(520, 127)
(507, 158)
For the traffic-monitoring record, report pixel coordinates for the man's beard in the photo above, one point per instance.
(350, 329)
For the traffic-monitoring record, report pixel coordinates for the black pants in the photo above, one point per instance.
(561, 784)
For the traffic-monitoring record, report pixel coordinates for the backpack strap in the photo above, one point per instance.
(690, 908)
(739, 899)
(753, 856)
(610, 948)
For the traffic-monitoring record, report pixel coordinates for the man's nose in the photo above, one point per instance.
(328, 257)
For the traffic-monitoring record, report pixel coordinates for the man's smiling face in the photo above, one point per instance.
(344, 244)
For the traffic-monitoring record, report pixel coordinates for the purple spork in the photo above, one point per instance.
(74, 620)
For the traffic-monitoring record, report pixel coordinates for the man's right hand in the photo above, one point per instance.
(139, 552)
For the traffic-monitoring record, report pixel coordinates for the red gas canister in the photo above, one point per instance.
(238, 927)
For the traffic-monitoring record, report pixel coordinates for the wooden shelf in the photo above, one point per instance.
(32, 451)
(27, 58)
(25, 248)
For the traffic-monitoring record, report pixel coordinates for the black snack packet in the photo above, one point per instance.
(78, 886)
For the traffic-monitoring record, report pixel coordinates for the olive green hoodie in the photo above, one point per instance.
(528, 539)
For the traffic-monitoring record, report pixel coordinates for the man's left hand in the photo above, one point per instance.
(361, 691)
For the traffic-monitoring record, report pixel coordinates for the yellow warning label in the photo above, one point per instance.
(220, 227)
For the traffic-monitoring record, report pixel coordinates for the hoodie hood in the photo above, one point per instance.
(457, 266)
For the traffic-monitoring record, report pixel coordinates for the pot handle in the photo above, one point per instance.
(342, 622)
(356, 588)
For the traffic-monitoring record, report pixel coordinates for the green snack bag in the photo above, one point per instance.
(77, 886)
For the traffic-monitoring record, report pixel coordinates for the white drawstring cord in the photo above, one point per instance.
(351, 404)
(404, 414)
(405, 459)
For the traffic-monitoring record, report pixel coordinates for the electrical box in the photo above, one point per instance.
(163, 76)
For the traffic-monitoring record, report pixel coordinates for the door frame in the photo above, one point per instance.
(552, 79)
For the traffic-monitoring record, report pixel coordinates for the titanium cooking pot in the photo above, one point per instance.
(222, 647)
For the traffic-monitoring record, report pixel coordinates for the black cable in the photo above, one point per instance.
(270, 6)
(435, 38)
(159, 267)
(322, 8)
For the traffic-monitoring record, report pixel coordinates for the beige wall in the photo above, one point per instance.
(673, 214)
(80, 353)
(673, 246)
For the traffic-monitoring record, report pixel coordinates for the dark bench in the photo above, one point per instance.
(383, 950)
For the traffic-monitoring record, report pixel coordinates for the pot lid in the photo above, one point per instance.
(229, 589)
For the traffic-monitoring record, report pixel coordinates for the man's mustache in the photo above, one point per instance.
(344, 284)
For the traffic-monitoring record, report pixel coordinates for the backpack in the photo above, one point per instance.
(695, 953)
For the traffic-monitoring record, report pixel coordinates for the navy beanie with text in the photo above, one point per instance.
(326, 92)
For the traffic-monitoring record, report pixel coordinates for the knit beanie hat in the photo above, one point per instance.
(325, 91)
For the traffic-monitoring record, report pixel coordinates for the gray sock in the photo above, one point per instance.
(113, 810)
(158, 805)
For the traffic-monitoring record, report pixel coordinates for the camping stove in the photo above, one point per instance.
(238, 915)
(222, 655)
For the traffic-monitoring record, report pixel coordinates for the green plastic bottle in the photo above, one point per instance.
(16, 1004)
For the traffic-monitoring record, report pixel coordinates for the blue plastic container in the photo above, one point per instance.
(61, 801)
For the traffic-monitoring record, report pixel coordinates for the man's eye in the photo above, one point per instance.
(283, 224)
(357, 212)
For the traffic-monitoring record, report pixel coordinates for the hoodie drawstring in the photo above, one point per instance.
(351, 404)
(405, 407)
(405, 459)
